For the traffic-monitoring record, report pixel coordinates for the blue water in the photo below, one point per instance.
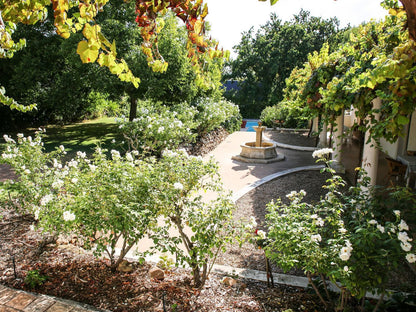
(250, 125)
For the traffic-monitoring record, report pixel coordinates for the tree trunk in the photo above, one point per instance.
(410, 8)
(133, 107)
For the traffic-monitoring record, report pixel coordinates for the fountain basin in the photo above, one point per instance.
(265, 153)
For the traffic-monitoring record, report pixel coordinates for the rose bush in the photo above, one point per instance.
(204, 225)
(349, 239)
(111, 203)
(107, 202)
(159, 127)
(214, 114)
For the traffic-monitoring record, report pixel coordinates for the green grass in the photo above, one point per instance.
(82, 136)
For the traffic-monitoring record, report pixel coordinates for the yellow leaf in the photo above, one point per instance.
(87, 52)
(198, 27)
(392, 12)
(91, 32)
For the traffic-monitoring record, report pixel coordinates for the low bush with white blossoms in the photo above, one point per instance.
(215, 114)
(115, 202)
(158, 127)
(349, 239)
(103, 200)
(204, 226)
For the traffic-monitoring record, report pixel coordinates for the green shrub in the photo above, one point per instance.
(214, 114)
(33, 279)
(99, 105)
(287, 111)
(349, 239)
(158, 127)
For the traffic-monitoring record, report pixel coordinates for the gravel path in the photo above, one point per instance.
(254, 204)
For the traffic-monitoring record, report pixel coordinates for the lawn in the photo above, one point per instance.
(82, 136)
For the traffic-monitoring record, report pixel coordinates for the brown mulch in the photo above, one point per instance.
(72, 274)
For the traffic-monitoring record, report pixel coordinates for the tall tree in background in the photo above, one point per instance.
(50, 73)
(265, 59)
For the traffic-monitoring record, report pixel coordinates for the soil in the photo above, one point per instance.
(73, 273)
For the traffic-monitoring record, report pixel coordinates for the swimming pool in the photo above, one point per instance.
(250, 124)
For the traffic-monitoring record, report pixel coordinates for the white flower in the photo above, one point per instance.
(68, 216)
(411, 258)
(129, 157)
(314, 216)
(183, 151)
(93, 167)
(62, 148)
(26, 171)
(406, 246)
(46, 199)
(81, 154)
(262, 234)
(58, 184)
(115, 154)
(32, 227)
(36, 213)
(113, 141)
(320, 222)
(397, 212)
(316, 238)
(344, 256)
(322, 152)
(20, 135)
(342, 230)
(161, 129)
(74, 180)
(178, 186)
(253, 221)
(345, 252)
(346, 268)
(403, 226)
(403, 237)
(72, 163)
(372, 222)
(380, 228)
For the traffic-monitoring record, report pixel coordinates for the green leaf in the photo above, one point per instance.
(370, 84)
(272, 2)
(402, 120)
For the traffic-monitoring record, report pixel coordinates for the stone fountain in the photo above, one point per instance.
(259, 152)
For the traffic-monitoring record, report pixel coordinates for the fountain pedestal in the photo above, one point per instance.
(259, 151)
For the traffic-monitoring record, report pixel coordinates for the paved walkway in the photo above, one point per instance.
(236, 176)
(12, 300)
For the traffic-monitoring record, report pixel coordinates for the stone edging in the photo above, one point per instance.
(296, 148)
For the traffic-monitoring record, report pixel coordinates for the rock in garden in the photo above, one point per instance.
(125, 267)
(156, 273)
(229, 281)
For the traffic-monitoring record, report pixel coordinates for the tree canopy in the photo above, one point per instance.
(73, 16)
(266, 58)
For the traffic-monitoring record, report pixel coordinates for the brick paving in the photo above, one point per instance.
(12, 300)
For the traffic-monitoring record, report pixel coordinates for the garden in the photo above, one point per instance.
(84, 206)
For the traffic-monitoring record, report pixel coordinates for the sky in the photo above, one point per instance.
(229, 18)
